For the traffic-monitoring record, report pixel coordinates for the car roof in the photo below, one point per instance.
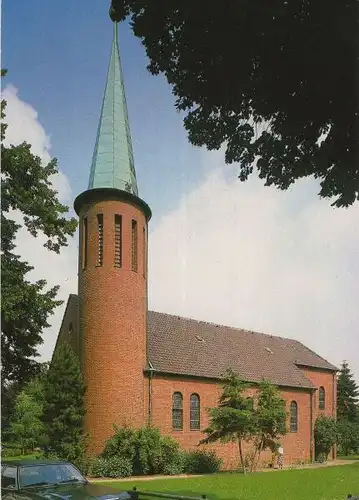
(23, 463)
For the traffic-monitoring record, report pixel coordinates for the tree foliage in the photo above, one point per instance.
(28, 200)
(64, 408)
(270, 419)
(239, 418)
(233, 419)
(348, 436)
(286, 68)
(347, 395)
(26, 427)
(325, 436)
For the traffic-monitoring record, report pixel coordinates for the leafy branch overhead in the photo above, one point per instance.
(274, 83)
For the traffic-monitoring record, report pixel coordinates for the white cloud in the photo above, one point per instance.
(254, 257)
(23, 125)
(238, 254)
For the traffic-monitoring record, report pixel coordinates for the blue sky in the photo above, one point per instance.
(57, 55)
(240, 254)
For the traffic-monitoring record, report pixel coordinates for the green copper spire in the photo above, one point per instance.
(112, 161)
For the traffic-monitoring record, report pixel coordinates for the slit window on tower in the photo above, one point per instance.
(118, 240)
(134, 246)
(100, 239)
(84, 242)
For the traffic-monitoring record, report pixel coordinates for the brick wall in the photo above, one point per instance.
(112, 319)
(325, 379)
(296, 445)
(69, 327)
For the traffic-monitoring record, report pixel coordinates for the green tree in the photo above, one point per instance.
(26, 426)
(64, 408)
(236, 67)
(26, 306)
(270, 419)
(233, 419)
(325, 436)
(348, 436)
(347, 395)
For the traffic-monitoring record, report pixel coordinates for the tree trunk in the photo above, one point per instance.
(260, 449)
(254, 458)
(241, 455)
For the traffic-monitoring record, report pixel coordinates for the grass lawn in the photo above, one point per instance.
(31, 456)
(328, 483)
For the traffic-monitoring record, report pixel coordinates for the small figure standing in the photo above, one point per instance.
(280, 457)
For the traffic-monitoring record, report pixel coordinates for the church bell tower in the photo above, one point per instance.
(112, 282)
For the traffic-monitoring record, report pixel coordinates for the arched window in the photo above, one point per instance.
(71, 329)
(321, 398)
(177, 411)
(293, 416)
(194, 412)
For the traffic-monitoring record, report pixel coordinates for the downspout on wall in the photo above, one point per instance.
(150, 377)
(334, 411)
(312, 444)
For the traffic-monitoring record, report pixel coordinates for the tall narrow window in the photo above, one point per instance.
(144, 252)
(293, 416)
(177, 411)
(194, 412)
(321, 398)
(118, 240)
(134, 245)
(100, 239)
(84, 242)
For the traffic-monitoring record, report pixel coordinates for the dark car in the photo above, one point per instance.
(51, 480)
(59, 480)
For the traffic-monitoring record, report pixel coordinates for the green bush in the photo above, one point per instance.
(173, 459)
(121, 444)
(114, 467)
(202, 462)
(146, 449)
(325, 435)
(148, 458)
(348, 437)
(11, 452)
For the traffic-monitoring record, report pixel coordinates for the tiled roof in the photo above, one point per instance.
(188, 347)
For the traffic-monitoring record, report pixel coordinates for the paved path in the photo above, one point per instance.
(151, 478)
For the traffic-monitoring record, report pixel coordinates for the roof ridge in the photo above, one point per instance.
(222, 326)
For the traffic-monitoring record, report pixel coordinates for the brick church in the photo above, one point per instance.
(144, 367)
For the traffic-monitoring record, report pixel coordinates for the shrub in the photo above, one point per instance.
(148, 458)
(348, 437)
(113, 467)
(202, 462)
(146, 449)
(11, 452)
(172, 458)
(321, 457)
(325, 435)
(121, 444)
